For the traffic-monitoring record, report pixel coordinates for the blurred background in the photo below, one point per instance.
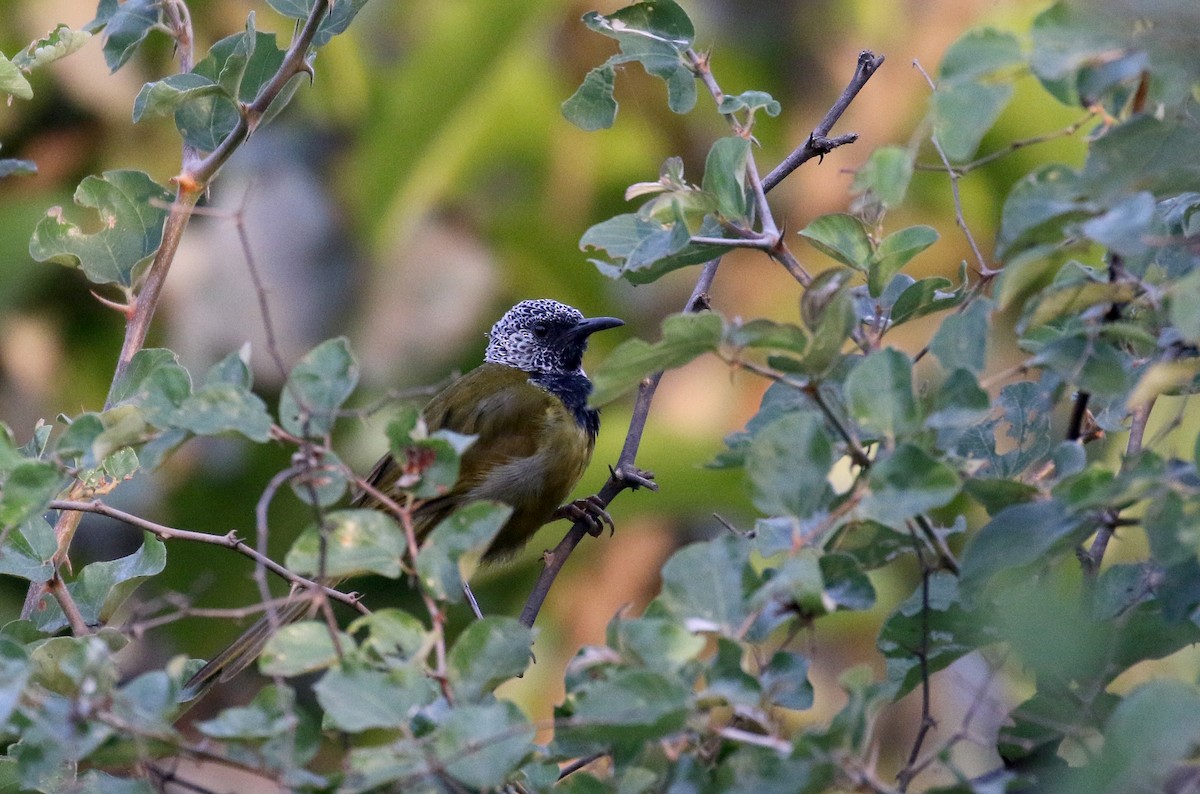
(423, 184)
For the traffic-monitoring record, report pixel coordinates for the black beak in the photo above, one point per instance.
(585, 328)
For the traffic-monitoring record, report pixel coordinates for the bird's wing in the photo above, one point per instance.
(499, 406)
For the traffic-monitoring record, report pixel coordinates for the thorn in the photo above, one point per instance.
(307, 68)
(124, 308)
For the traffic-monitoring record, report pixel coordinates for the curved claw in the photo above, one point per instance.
(591, 510)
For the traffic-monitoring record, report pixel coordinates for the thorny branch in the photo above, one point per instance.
(626, 475)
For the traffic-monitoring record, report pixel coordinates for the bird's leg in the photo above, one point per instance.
(591, 510)
(471, 600)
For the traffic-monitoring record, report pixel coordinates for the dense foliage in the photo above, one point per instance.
(996, 492)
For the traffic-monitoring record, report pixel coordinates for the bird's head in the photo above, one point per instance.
(543, 336)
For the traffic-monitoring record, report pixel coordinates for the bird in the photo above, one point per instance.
(527, 406)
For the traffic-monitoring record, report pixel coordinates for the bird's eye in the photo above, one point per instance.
(540, 330)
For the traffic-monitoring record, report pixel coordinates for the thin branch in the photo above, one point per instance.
(818, 145)
(906, 775)
(1004, 151)
(262, 533)
(260, 290)
(58, 588)
(984, 271)
(229, 540)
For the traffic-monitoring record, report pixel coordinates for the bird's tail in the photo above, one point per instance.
(244, 650)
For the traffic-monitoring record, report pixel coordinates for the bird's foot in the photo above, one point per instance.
(591, 510)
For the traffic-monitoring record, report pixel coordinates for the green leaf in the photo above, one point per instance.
(592, 106)
(55, 45)
(479, 746)
(469, 529)
(1149, 733)
(102, 587)
(760, 332)
(980, 53)
(155, 383)
(488, 653)
(896, 250)
(430, 464)
(964, 112)
(788, 466)
(148, 701)
(828, 310)
(907, 483)
(642, 250)
(1143, 154)
(1037, 209)
(1017, 536)
(1072, 299)
(750, 101)
(272, 713)
(725, 176)
(14, 673)
(704, 585)
(961, 341)
(222, 407)
(946, 632)
(684, 337)
(785, 681)
(654, 642)
(630, 707)
(390, 632)
(165, 96)
(1185, 306)
(357, 699)
(126, 28)
(879, 394)
(12, 80)
(28, 488)
(130, 228)
(338, 18)
(241, 64)
(357, 542)
(885, 175)
(301, 648)
(316, 388)
(841, 237)
(28, 550)
(655, 33)
(846, 585)
(925, 297)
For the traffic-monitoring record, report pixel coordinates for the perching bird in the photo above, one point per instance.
(527, 406)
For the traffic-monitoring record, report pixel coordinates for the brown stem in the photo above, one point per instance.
(818, 145)
(58, 588)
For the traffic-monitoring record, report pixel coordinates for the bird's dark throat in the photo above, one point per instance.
(573, 389)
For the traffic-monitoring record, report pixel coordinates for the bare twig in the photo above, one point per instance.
(1004, 151)
(818, 145)
(229, 540)
(984, 270)
(58, 588)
